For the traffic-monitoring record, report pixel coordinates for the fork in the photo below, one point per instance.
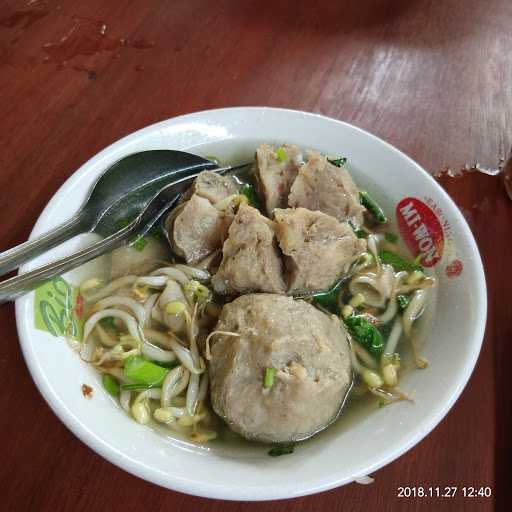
(157, 207)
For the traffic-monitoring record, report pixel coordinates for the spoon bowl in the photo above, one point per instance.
(120, 192)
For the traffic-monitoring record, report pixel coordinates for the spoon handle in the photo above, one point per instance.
(12, 288)
(13, 258)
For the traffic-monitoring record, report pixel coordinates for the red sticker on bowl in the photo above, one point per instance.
(421, 230)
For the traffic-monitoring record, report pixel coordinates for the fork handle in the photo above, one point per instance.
(13, 258)
(12, 288)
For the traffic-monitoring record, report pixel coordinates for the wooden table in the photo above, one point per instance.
(431, 77)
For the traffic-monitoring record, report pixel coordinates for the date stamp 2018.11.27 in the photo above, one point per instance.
(446, 491)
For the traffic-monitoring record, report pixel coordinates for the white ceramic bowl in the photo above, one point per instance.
(346, 451)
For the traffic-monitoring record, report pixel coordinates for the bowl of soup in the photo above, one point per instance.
(293, 327)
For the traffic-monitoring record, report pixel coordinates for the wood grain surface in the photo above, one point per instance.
(432, 77)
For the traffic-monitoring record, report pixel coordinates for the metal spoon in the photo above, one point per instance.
(150, 214)
(119, 193)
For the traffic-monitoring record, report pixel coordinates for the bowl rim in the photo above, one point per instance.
(232, 492)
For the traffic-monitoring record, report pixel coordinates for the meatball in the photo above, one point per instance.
(306, 238)
(198, 230)
(250, 258)
(275, 177)
(214, 187)
(321, 186)
(306, 350)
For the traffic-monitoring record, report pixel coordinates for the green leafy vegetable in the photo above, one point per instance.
(142, 371)
(281, 154)
(338, 162)
(329, 299)
(249, 191)
(110, 384)
(366, 334)
(391, 238)
(269, 377)
(282, 449)
(403, 301)
(397, 262)
(372, 206)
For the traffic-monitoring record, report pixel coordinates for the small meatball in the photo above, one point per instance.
(318, 249)
(309, 353)
(324, 187)
(129, 260)
(198, 230)
(214, 187)
(275, 177)
(250, 258)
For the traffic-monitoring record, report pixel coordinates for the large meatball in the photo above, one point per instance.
(306, 349)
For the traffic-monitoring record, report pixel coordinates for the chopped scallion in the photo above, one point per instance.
(142, 371)
(281, 154)
(268, 378)
(110, 384)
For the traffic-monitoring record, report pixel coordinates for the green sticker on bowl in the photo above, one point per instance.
(58, 309)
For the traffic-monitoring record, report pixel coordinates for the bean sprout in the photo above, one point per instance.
(115, 301)
(129, 321)
(148, 308)
(193, 272)
(392, 308)
(364, 356)
(203, 387)
(192, 393)
(175, 382)
(111, 288)
(394, 336)
(104, 336)
(414, 310)
(208, 353)
(173, 273)
(157, 354)
(151, 281)
(184, 355)
(124, 399)
(158, 337)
